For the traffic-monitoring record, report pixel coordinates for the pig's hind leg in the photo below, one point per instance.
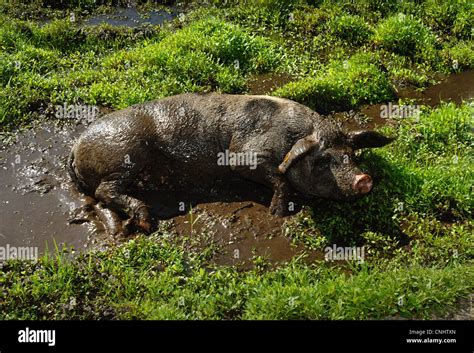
(111, 220)
(112, 193)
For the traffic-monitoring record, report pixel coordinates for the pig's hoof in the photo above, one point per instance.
(120, 234)
(141, 220)
(279, 210)
(133, 225)
(145, 226)
(81, 215)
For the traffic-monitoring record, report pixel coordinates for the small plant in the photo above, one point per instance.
(459, 56)
(405, 35)
(352, 29)
(192, 220)
(344, 84)
(449, 17)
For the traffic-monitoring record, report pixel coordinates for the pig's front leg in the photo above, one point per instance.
(264, 172)
(281, 196)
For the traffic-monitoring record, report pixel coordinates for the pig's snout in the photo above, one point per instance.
(362, 184)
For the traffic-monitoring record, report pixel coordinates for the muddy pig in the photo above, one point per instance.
(272, 141)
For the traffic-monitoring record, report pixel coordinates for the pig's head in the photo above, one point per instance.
(322, 164)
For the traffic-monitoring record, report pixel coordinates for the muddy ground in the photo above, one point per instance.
(38, 200)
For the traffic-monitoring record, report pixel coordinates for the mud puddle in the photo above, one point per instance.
(131, 17)
(266, 83)
(234, 218)
(37, 199)
(455, 88)
(35, 196)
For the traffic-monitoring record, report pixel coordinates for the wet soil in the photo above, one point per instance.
(131, 17)
(455, 88)
(241, 227)
(267, 83)
(37, 199)
(462, 310)
(35, 195)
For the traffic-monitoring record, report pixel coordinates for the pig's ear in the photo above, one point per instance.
(299, 149)
(367, 139)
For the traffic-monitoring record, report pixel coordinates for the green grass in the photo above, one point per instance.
(58, 63)
(416, 225)
(341, 85)
(351, 29)
(151, 278)
(405, 35)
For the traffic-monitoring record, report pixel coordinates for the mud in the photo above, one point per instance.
(35, 195)
(232, 217)
(267, 83)
(241, 229)
(130, 17)
(37, 199)
(455, 88)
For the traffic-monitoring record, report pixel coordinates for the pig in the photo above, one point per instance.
(285, 146)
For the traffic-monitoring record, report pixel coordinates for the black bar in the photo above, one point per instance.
(240, 336)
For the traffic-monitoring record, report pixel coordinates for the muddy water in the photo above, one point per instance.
(37, 199)
(455, 88)
(130, 17)
(241, 228)
(232, 216)
(266, 83)
(35, 196)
